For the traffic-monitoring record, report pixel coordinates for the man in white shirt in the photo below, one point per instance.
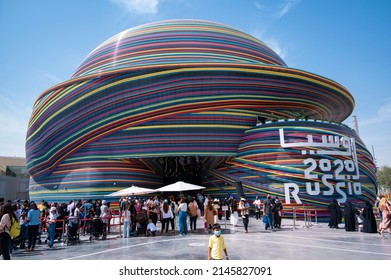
(206, 201)
(71, 207)
(257, 205)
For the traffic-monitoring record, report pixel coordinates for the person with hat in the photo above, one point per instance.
(52, 225)
(244, 208)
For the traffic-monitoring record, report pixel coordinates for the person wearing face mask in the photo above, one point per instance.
(216, 245)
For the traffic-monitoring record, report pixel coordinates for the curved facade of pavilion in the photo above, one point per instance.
(201, 101)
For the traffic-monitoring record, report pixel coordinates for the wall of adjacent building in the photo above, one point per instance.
(14, 186)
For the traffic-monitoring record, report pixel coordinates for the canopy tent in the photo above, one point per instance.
(133, 190)
(179, 186)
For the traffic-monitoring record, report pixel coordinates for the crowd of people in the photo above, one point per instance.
(184, 209)
(141, 216)
(135, 213)
(361, 219)
(34, 218)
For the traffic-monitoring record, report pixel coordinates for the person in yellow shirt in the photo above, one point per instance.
(216, 245)
(42, 207)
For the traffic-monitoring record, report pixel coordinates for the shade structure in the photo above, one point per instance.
(179, 186)
(133, 190)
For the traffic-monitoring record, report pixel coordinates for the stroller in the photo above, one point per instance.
(72, 230)
(17, 241)
(97, 228)
(142, 220)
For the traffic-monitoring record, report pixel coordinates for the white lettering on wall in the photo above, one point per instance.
(294, 193)
(336, 176)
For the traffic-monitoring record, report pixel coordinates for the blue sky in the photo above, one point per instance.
(43, 42)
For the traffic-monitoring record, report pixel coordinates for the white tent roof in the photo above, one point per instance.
(179, 187)
(133, 190)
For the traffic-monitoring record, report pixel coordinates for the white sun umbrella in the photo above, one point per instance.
(179, 186)
(133, 190)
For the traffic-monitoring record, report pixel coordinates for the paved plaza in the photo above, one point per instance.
(297, 241)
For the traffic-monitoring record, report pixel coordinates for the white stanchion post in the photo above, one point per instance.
(294, 216)
(119, 222)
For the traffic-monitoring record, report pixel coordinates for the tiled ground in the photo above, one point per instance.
(316, 242)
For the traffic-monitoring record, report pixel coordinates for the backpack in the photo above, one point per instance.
(15, 228)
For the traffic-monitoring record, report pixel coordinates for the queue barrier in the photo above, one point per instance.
(299, 212)
(85, 225)
(308, 215)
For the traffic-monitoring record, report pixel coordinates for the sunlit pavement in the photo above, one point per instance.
(291, 242)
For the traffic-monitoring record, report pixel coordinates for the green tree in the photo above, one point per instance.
(384, 177)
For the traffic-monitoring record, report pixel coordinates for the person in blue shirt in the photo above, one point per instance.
(87, 215)
(34, 220)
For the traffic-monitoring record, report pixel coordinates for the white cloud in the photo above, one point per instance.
(375, 132)
(48, 78)
(385, 111)
(138, 6)
(288, 5)
(377, 141)
(276, 46)
(258, 5)
(278, 13)
(383, 115)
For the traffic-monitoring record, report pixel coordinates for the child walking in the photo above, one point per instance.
(217, 244)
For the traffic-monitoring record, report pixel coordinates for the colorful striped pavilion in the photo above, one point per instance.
(200, 102)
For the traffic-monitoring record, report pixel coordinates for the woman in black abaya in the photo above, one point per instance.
(369, 219)
(350, 217)
(335, 214)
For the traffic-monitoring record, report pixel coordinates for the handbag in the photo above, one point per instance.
(171, 214)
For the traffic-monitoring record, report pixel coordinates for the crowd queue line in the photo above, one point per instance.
(140, 216)
(37, 219)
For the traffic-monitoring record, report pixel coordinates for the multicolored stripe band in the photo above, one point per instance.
(173, 89)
